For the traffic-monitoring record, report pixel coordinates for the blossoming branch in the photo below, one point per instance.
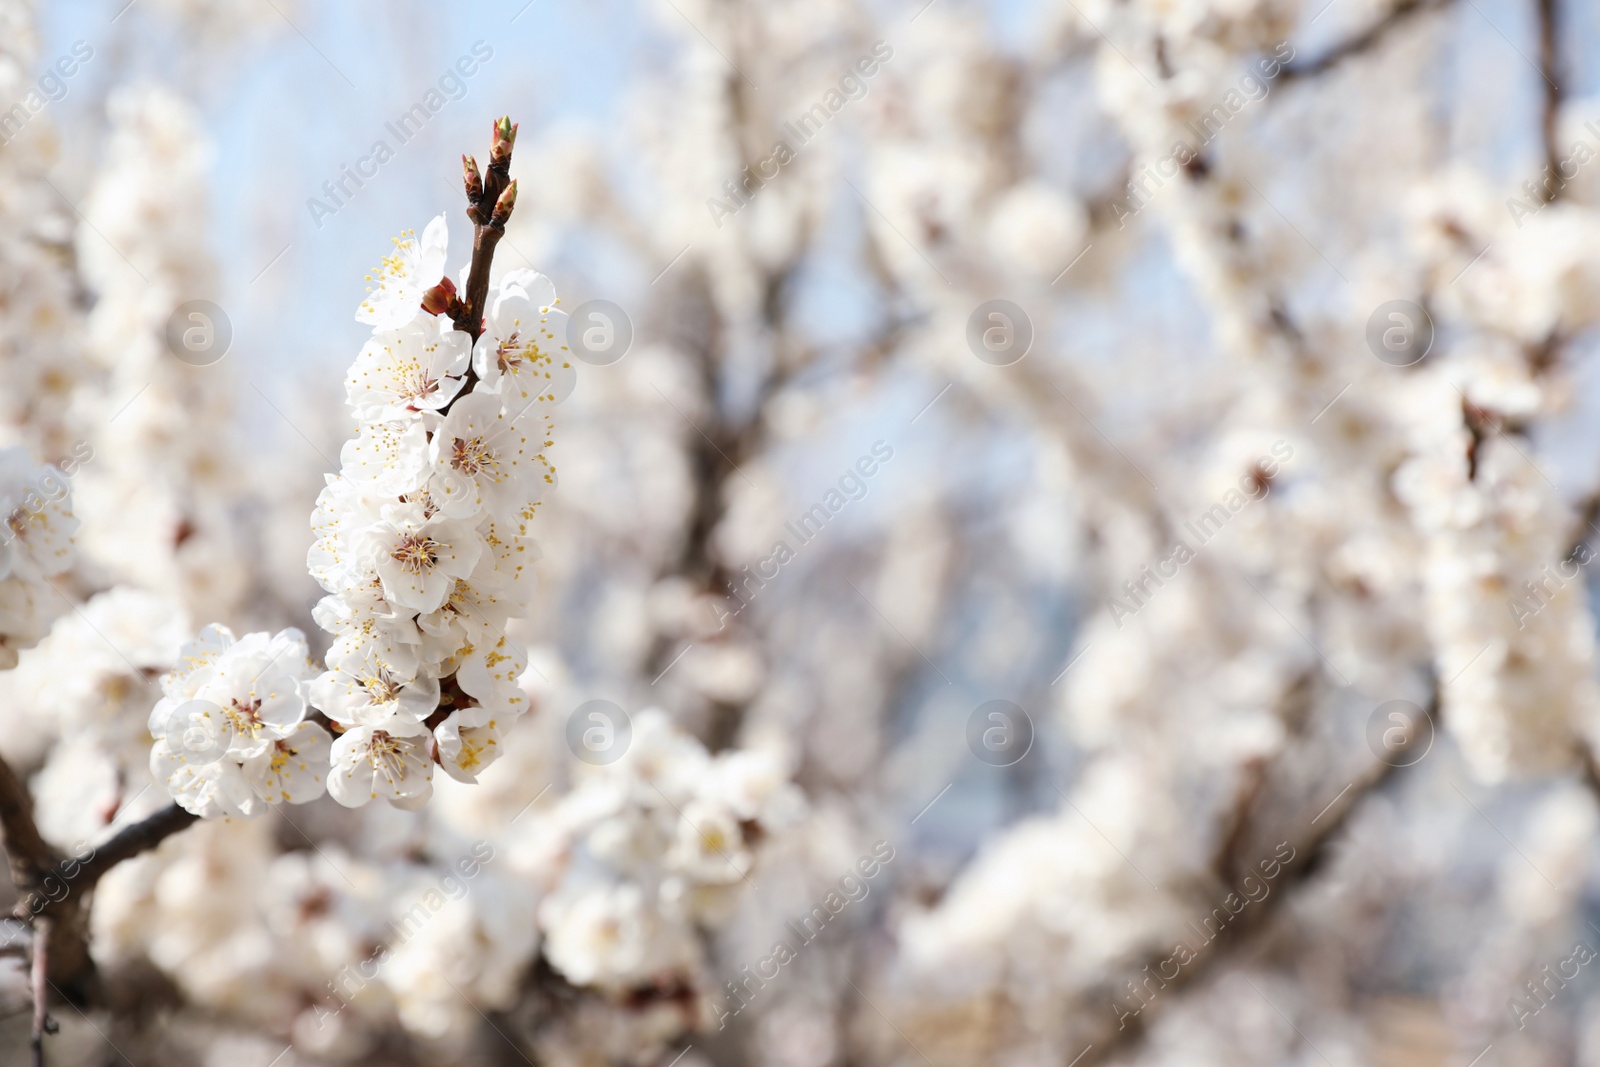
(422, 543)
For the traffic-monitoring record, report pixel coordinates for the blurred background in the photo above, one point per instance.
(1120, 471)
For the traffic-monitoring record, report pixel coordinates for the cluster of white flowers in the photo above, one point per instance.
(1172, 741)
(422, 538)
(36, 544)
(648, 849)
(231, 730)
(1412, 546)
(40, 322)
(79, 700)
(163, 423)
(286, 940)
(616, 882)
(1514, 640)
(1509, 615)
(422, 543)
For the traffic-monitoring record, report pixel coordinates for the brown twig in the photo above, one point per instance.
(39, 973)
(128, 842)
(1310, 856)
(1549, 63)
(491, 195)
(1361, 43)
(29, 854)
(1590, 767)
(52, 892)
(489, 203)
(484, 240)
(1230, 853)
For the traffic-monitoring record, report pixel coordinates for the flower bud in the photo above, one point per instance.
(440, 298)
(503, 206)
(505, 138)
(472, 179)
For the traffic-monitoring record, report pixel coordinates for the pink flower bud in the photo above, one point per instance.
(503, 206)
(438, 300)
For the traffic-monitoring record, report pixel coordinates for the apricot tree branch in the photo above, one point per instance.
(1361, 43)
(39, 974)
(1549, 63)
(27, 852)
(52, 888)
(128, 842)
(1311, 854)
(491, 194)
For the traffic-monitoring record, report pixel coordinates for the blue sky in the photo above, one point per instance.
(290, 105)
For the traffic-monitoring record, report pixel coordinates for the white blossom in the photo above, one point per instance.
(230, 730)
(403, 276)
(407, 369)
(522, 355)
(483, 460)
(36, 544)
(370, 682)
(390, 762)
(422, 539)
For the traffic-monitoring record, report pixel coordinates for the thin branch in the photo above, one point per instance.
(53, 892)
(727, 440)
(40, 980)
(1549, 62)
(1310, 857)
(29, 853)
(128, 842)
(1361, 43)
(484, 240)
(1230, 853)
(491, 196)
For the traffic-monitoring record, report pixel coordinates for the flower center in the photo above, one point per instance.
(470, 456)
(382, 689)
(421, 385)
(416, 553)
(387, 754)
(244, 718)
(508, 352)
